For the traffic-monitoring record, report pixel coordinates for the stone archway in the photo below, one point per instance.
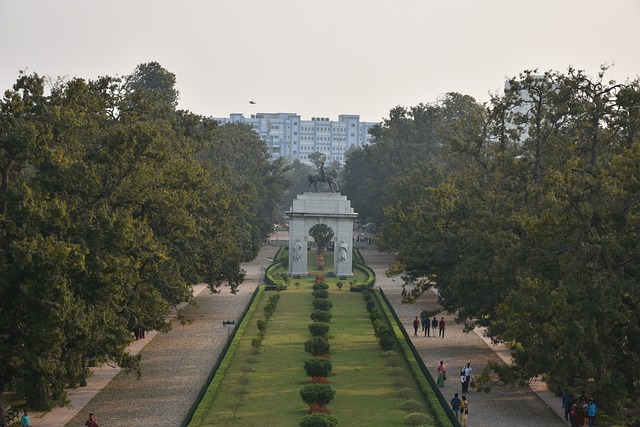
(331, 209)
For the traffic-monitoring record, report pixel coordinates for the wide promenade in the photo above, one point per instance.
(175, 365)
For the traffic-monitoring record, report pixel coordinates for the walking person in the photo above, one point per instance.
(434, 325)
(442, 374)
(425, 326)
(464, 410)
(441, 325)
(592, 410)
(455, 406)
(25, 421)
(466, 376)
(566, 404)
(91, 421)
(416, 325)
(581, 412)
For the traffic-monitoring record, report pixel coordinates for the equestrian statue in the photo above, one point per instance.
(322, 176)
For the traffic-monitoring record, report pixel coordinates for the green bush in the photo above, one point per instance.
(319, 420)
(320, 286)
(268, 310)
(411, 405)
(386, 340)
(416, 419)
(339, 285)
(273, 299)
(321, 293)
(321, 316)
(318, 367)
(262, 325)
(381, 329)
(319, 328)
(256, 343)
(322, 304)
(316, 345)
(371, 305)
(320, 394)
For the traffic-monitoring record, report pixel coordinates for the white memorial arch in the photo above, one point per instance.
(335, 211)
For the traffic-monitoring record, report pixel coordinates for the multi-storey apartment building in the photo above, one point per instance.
(288, 135)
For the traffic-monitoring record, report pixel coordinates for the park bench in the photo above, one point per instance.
(11, 415)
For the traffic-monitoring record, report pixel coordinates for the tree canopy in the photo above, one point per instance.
(525, 214)
(113, 204)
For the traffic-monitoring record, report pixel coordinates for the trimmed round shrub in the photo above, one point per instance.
(371, 304)
(321, 316)
(416, 419)
(320, 394)
(262, 325)
(319, 420)
(386, 340)
(320, 286)
(406, 392)
(319, 328)
(322, 304)
(411, 405)
(318, 367)
(321, 293)
(381, 329)
(316, 345)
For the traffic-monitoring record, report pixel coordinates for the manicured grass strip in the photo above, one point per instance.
(263, 388)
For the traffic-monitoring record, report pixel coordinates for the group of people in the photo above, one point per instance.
(429, 326)
(579, 411)
(460, 407)
(25, 420)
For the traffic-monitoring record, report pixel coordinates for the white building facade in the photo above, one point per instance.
(288, 135)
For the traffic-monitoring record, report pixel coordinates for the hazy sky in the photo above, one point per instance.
(319, 58)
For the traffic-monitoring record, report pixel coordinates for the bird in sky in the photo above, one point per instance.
(251, 102)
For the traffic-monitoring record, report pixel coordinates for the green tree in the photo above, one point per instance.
(323, 235)
(532, 231)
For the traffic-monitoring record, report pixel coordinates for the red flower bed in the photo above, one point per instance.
(317, 409)
(319, 380)
(319, 278)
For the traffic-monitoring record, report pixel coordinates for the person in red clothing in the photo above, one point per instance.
(416, 325)
(441, 334)
(91, 422)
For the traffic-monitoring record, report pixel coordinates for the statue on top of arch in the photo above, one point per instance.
(328, 178)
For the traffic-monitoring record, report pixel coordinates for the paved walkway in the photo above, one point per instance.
(176, 364)
(503, 406)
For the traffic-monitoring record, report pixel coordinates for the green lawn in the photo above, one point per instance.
(263, 388)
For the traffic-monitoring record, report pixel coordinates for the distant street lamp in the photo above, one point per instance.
(229, 324)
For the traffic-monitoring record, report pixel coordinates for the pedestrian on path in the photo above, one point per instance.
(25, 421)
(416, 325)
(466, 376)
(92, 421)
(425, 325)
(455, 406)
(464, 410)
(592, 410)
(441, 324)
(566, 404)
(434, 325)
(442, 374)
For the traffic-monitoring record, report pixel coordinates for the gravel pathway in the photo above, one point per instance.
(175, 365)
(503, 406)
